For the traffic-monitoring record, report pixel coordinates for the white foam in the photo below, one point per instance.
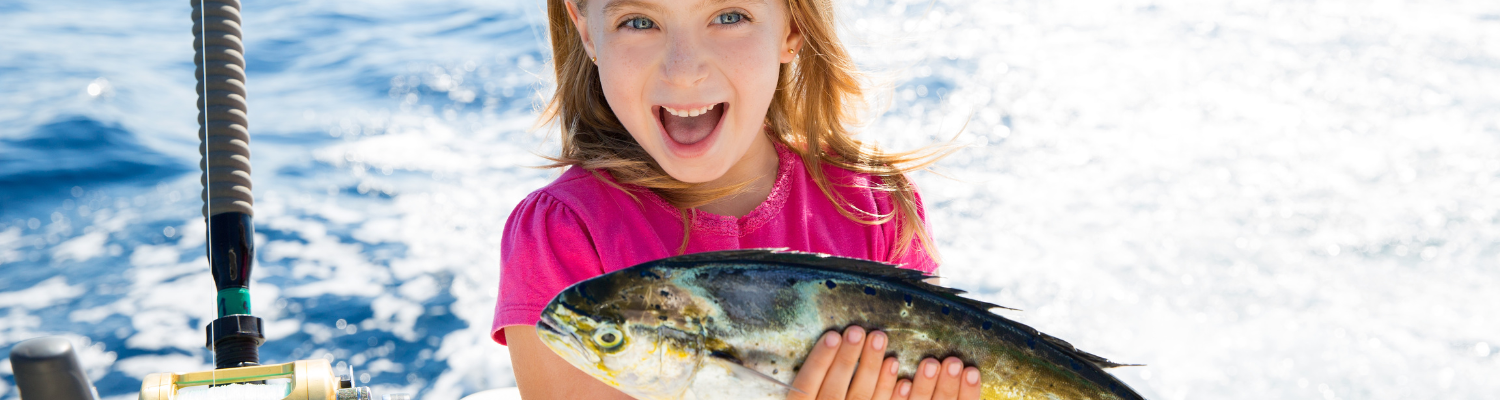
(378, 230)
(10, 243)
(277, 329)
(423, 150)
(399, 316)
(163, 329)
(384, 365)
(149, 256)
(140, 366)
(47, 293)
(17, 325)
(509, 393)
(472, 363)
(419, 289)
(81, 248)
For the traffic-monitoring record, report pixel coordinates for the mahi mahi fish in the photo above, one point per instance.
(737, 324)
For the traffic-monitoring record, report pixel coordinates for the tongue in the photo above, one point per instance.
(689, 130)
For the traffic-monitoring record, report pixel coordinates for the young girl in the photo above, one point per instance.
(700, 125)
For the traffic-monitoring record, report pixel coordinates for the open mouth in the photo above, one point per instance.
(688, 127)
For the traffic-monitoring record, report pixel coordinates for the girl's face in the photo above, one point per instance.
(690, 79)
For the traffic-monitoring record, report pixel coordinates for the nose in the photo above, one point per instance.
(685, 64)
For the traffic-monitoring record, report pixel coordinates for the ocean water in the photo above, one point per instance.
(1293, 200)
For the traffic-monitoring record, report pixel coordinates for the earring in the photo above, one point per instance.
(791, 51)
(594, 60)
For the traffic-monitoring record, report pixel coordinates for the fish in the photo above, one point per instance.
(737, 324)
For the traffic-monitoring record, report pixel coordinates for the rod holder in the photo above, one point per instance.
(47, 368)
(236, 340)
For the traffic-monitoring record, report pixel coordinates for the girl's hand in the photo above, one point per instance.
(853, 366)
(949, 379)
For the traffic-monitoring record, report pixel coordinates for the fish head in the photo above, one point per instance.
(622, 340)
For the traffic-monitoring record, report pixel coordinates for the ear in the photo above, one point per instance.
(793, 41)
(582, 24)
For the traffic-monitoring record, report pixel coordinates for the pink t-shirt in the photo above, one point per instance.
(579, 227)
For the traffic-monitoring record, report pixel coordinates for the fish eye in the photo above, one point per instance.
(608, 337)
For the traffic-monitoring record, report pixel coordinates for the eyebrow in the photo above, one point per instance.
(614, 6)
(721, 3)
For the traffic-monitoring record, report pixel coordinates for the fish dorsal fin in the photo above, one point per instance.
(878, 270)
(1102, 362)
(1098, 361)
(742, 372)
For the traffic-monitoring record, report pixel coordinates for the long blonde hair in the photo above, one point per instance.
(817, 102)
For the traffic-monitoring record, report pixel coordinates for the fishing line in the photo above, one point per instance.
(207, 166)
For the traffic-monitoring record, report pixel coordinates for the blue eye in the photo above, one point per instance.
(729, 18)
(641, 23)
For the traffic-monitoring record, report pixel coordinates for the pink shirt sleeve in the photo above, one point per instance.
(916, 256)
(545, 248)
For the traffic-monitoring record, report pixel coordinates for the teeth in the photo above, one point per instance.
(689, 113)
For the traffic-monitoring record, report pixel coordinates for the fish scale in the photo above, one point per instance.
(737, 324)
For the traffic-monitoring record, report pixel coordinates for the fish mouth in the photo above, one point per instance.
(550, 326)
(546, 325)
(563, 340)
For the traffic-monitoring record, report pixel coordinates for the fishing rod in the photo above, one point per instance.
(235, 335)
(228, 207)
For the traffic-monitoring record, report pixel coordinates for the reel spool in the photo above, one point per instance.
(300, 380)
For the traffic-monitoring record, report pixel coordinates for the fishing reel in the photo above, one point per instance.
(300, 380)
(47, 368)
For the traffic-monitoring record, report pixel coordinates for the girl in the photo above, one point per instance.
(698, 125)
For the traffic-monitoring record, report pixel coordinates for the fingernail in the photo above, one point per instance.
(855, 334)
(905, 389)
(877, 340)
(972, 377)
(831, 340)
(954, 368)
(929, 369)
(894, 367)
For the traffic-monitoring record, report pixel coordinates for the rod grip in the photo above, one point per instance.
(231, 250)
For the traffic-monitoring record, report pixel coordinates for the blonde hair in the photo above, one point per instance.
(816, 103)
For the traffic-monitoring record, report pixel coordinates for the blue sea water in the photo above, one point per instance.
(1255, 199)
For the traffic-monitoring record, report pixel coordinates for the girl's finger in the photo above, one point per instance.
(868, 373)
(948, 379)
(923, 384)
(903, 390)
(810, 377)
(970, 388)
(836, 382)
(885, 385)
